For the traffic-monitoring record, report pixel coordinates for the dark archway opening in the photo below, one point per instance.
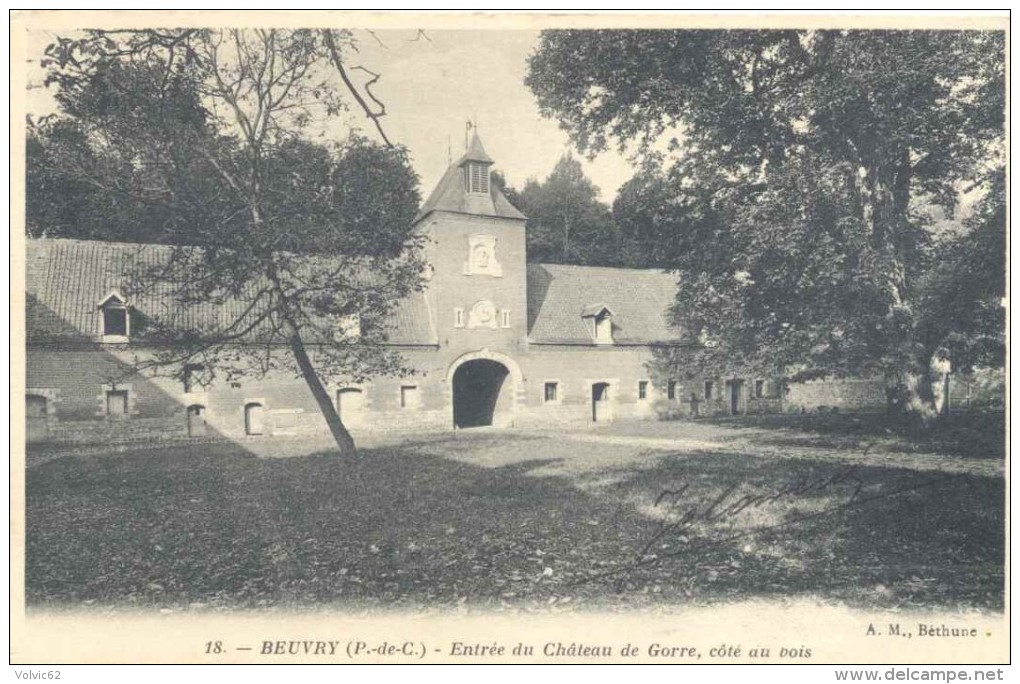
(478, 393)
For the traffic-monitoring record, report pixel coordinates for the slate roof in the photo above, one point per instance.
(476, 152)
(66, 279)
(638, 299)
(451, 194)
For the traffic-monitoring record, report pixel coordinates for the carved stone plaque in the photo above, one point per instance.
(483, 315)
(482, 257)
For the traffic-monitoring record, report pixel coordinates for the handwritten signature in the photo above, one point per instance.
(682, 516)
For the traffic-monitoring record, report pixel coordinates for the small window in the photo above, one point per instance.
(671, 390)
(115, 321)
(35, 406)
(458, 318)
(36, 412)
(117, 403)
(505, 318)
(408, 396)
(642, 390)
(191, 381)
(708, 389)
(604, 328)
(551, 392)
(759, 389)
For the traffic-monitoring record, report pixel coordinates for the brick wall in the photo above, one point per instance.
(844, 395)
(575, 369)
(74, 383)
(451, 288)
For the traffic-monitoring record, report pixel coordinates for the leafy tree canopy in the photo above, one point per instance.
(567, 223)
(212, 141)
(788, 176)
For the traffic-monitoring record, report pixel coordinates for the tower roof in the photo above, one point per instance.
(475, 151)
(451, 193)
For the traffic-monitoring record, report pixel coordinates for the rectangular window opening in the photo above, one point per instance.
(642, 389)
(115, 321)
(408, 396)
(671, 390)
(759, 389)
(191, 380)
(708, 389)
(551, 391)
(505, 321)
(117, 403)
(458, 318)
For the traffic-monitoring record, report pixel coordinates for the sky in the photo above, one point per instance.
(433, 87)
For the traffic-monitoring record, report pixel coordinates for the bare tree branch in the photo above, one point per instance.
(377, 38)
(334, 53)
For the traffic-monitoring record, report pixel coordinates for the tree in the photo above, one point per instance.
(58, 203)
(567, 223)
(648, 210)
(304, 248)
(797, 168)
(961, 296)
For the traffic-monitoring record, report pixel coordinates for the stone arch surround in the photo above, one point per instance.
(516, 378)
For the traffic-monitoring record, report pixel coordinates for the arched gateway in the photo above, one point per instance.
(484, 389)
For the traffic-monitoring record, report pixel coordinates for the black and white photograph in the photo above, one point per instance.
(564, 322)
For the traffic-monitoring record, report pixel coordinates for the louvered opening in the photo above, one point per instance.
(477, 176)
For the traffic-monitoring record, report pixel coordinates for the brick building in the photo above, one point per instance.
(495, 341)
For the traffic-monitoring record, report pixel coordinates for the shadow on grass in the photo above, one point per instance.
(877, 537)
(404, 530)
(970, 434)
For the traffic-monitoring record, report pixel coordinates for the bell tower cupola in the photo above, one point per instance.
(467, 188)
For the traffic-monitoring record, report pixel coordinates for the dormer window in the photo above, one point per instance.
(604, 329)
(476, 177)
(599, 319)
(116, 318)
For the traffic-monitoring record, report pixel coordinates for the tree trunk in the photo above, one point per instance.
(566, 239)
(343, 439)
(912, 397)
(884, 191)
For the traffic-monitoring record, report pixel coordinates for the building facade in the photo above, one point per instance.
(494, 341)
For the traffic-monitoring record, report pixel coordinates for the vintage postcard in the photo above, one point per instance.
(509, 338)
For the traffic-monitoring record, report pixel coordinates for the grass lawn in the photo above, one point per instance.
(506, 521)
(972, 435)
